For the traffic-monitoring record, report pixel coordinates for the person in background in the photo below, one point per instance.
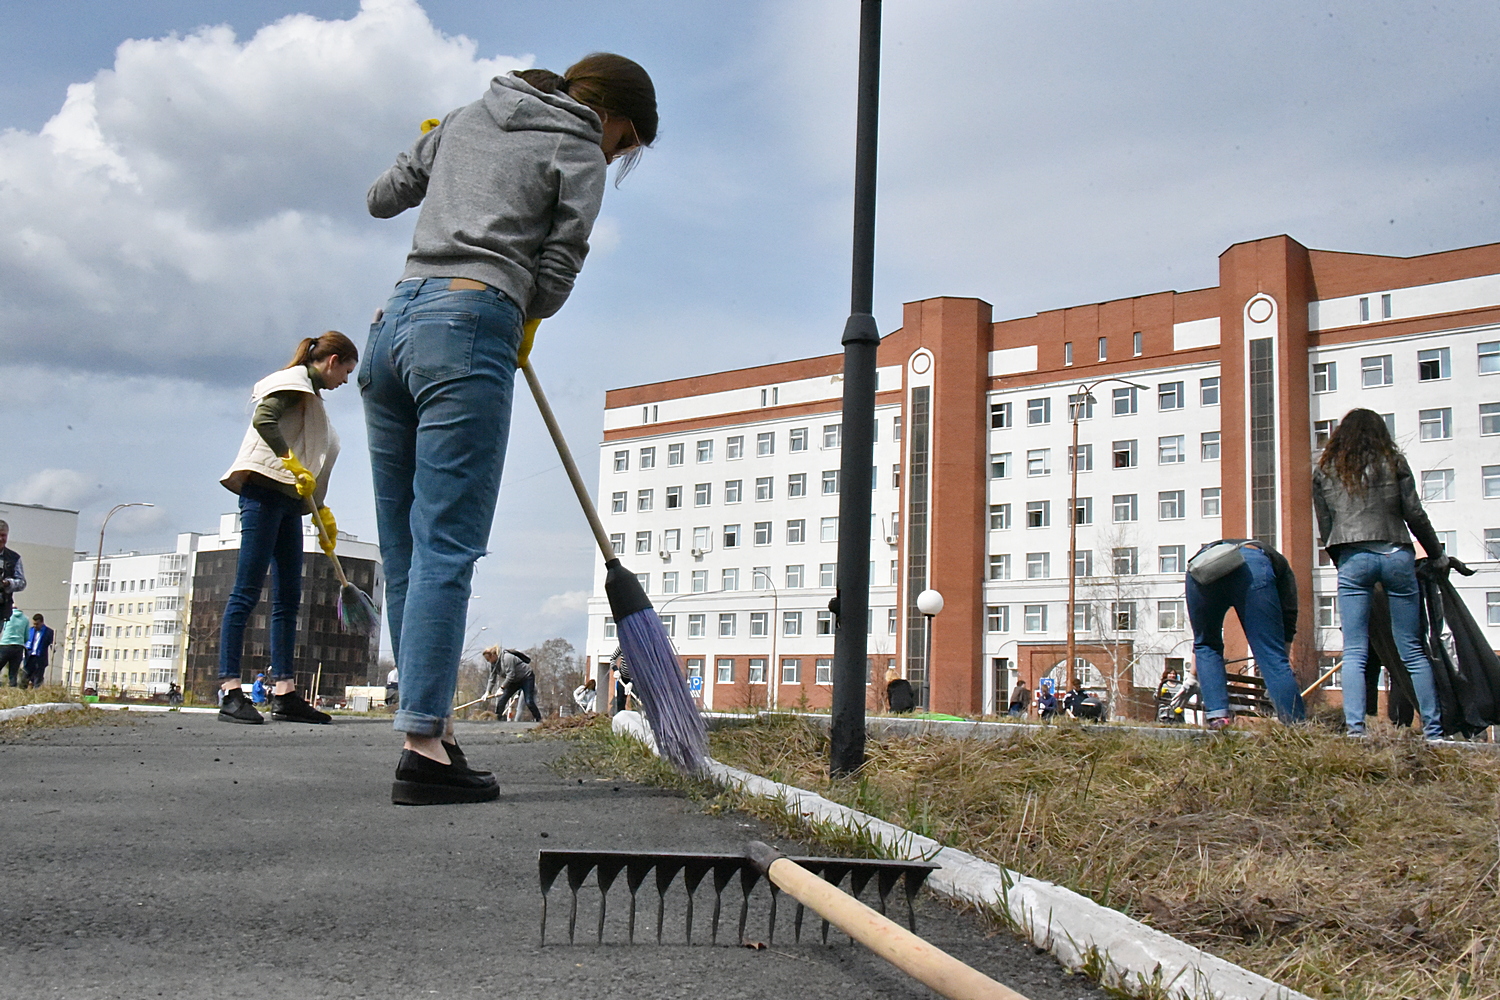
(1262, 590)
(1046, 699)
(12, 574)
(393, 689)
(519, 679)
(586, 696)
(258, 690)
(1020, 698)
(623, 690)
(13, 644)
(899, 696)
(1366, 499)
(39, 639)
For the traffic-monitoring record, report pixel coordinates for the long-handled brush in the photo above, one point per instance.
(654, 668)
(356, 611)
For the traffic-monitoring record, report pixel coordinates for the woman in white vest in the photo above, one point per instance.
(286, 457)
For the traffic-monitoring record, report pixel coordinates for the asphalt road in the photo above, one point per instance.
(174, 856)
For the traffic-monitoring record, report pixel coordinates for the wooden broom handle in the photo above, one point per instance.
(600, 535)
(892, 942)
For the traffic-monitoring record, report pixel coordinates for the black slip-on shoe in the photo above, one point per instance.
(422, 781)
(456, 754)
(290, 707)
(237, 708)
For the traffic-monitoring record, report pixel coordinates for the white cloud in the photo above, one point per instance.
(64, 488)
(565, 605)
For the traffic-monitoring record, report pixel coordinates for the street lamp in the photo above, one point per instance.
(773, 683)
(929, 602)
(94, 590)
(1077, 404)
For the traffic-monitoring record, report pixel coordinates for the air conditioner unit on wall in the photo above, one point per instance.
(665, 555)
(697, 553)
(892, 539)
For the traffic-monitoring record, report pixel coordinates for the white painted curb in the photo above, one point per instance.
(1070, 926)
(50, 706)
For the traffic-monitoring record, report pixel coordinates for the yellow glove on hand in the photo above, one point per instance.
(428, 124)
(306, 482)
(329, 537)
(528, 336)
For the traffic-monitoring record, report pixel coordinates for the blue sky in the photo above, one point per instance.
(171, 224)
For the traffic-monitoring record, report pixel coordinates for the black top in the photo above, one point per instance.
(900, 695)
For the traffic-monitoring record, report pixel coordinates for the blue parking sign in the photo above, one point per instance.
(695, 685)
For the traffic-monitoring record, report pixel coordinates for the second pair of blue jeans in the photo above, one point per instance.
(270, 536)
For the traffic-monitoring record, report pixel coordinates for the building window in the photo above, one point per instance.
(1085, 458)
(1083, 510)
(1390, 422)
(833, 435)
(791, 670)
(1000, 416)
(731, 536)
(796, 531)
(1000, 567)
(703, 494)
(1103, 354)
(1171, 450)
(1000, 465)
(1435, 425)
(669, 582)
(831, 482)
(1125, 560)
(1489, 357)
(999, 516)
(725, 670)
(732, 491)
(760, 578)
(1171, 616)
(1437, 484)
(1125, 507)
(1325, 376)
(1068, 352)
(622, 461)
(891, 619)
(1080, 406)
(757, 672)
(648, 458)
(645, 499)
(734, 447)
(1038, 411)
(1328, 611)
(896, 476)
(827, 574)
(1489, 418)
(617, 503)
(1123, 613)
(1171, 558)
(797, 439)
(791, 623)
(1083, 562)
(1038, 513)
(617, 542)
(700, 581)
(763, 488)
(997, 618)
(765, 443)
(1124, 400)
(1375, 371)
(1208, 446)
(1169, 396)
(1125, 454)
(1083, 617)
(674, 497)
(729, 579)
(697, 626)
(1171, 505)
(1322, 431)
(1039, 462)
(671, 539)
(1210, 499)
(760, 624)
(609, 627)
(825, 622)
(728, 624)
(1035, 616)
(642, 541)
(1492, 607)
(828, 529)
(762, 532)
(1490, 476)
(796, 485)
(674, 454)
(1135, 343)
(701, 539)
(794, 576)
(1038, 565)
(1492, 543)
(896, 429)
(1433, 364)
(1208, 391)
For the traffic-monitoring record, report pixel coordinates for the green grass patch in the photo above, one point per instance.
(17, 697)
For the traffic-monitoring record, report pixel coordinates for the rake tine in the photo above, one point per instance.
(771, 925)
(886, 881)
(692, 875)
(542, 941)
(549, 866)
(911, 883)
(666, 871)
(578, 870)
(749, 875)
(609, 870)
(723, 872)
(636, 871)
(859, 877)
(797, 925)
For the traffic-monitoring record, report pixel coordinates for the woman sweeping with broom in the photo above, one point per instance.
(509, 187)
(285, 460)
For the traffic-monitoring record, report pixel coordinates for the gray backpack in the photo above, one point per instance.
(1216, 562)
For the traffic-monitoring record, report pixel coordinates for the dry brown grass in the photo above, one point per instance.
(1342, 869)
(16, 697)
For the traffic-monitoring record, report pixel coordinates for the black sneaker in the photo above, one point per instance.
(290, 707)
(237, 708)
(456, 754)
(422, 781)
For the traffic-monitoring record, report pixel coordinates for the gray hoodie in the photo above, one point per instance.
(509, 187)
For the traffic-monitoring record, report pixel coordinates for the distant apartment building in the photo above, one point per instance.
(156, 617)
(1199, 416)
(45, 538)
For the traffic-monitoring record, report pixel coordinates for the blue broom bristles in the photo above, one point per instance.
(656, 675)
(356, 611)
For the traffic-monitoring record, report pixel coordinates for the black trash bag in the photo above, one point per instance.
(1469, 674)
(1402, 696)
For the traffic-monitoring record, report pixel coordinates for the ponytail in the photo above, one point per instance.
(544, 80)
(314, 349)
(608, 83)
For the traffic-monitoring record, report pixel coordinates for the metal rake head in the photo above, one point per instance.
(661, 870)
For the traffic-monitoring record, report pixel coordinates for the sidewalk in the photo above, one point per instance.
(172, 855)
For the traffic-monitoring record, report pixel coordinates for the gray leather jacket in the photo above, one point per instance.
(1380, 514)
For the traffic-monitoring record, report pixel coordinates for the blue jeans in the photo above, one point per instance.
(437, 379)
(1251, 592)
(270, 536)
(1359, 571)
(527, 688)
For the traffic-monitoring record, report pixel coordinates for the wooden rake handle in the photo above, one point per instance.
(931, 966)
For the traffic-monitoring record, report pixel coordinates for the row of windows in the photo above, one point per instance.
(1102, 348)
(1171, 449)
(1115, 616)
(1433, 364)
(734, 490)
(728, 624)
(1171, 505)
(1123, 561)
(791, 669)
(1442, 484)
(798, 439)
(794, 577)
(1432, 425)
(732, 536)
(1123, 402)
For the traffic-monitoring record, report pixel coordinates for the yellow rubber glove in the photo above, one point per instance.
(329, 538)
(528, 336)
(306, 482)
(429, 124)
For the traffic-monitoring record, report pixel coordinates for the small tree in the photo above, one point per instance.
(559, 669)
